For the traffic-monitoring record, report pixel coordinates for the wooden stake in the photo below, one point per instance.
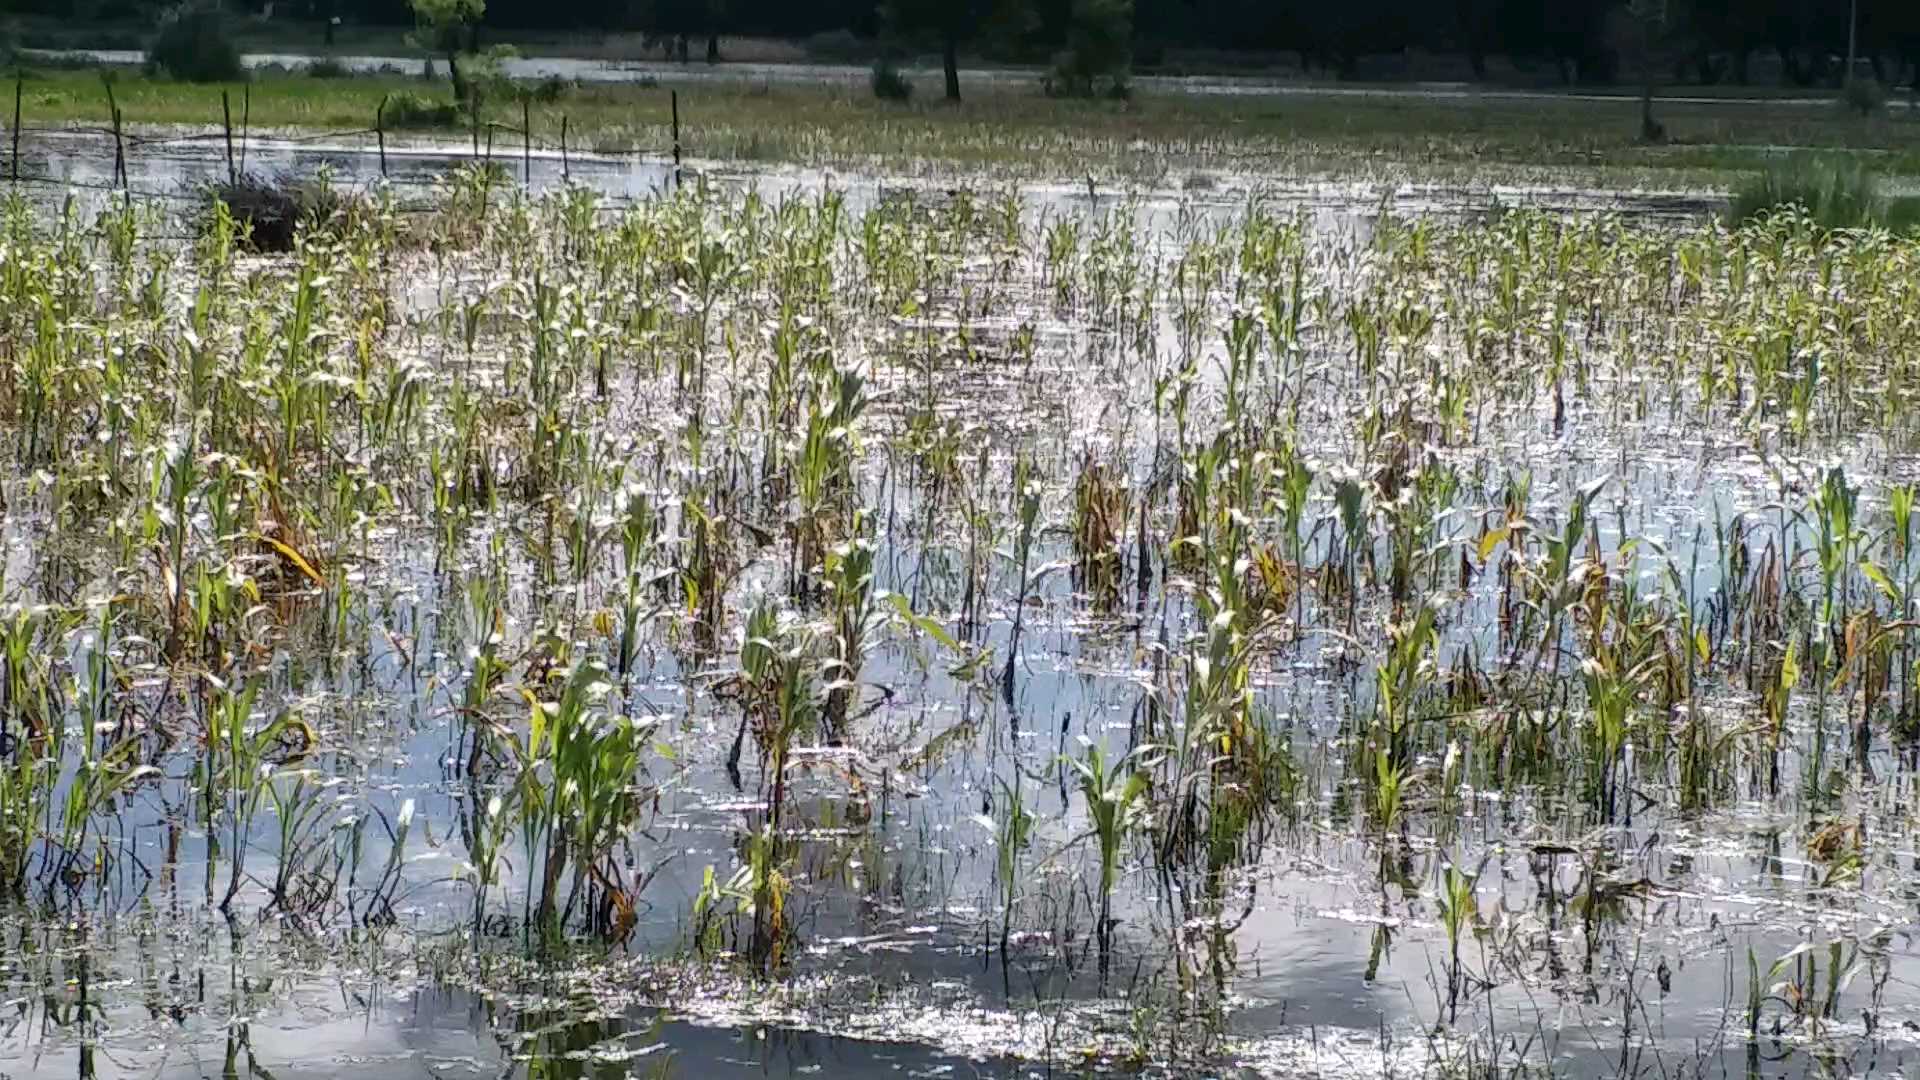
(676, 139)
(119, 143)
(526, 141)
(566, 170)
(16, 127)
(380, 130)
(246, 122)
(226, 122)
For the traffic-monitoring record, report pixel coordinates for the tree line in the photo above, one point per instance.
(1576, 40)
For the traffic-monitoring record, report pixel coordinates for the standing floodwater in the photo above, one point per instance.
(814, 626)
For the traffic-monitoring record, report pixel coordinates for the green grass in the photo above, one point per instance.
(1837, 193)
(1016, 129)
(1834, 191)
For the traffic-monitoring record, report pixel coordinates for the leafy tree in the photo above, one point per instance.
(1099, 48)
(956, 22)
(1646, 31)
(193, 45)
(446, 27)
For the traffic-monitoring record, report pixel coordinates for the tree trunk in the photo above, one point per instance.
(1651, 130)
(950, 58)
(1853, 41)
(713, 48)
(453, 73)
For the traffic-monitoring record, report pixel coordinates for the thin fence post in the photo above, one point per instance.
(380, 131)
(119, 145)
(120, 158)
(526, 141)
(246, 122)
(16, 127)
(476, 134)
(489, 144)
(566, 169)
(226, 125)
(120, 155)
(676, 138)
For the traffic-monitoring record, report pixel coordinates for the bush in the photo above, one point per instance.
(1099, 52)
(1863, 96)
(1072, 78)
(416, 111)
(551, 89)
(889, 84)
(193, 46)
(328, 68)
(1834, 193)
(271, 210)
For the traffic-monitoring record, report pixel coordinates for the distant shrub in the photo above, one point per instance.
(328, 68)
(1863, 96)
(551, 89)
(272, 210)
(418, 111)
(840, 46)
(1099, 52)
(483, 77)
(193, 46)
(1834, 193)
(1070, 78)
(889, 84)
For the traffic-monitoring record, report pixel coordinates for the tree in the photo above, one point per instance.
(1099, 47)
(1650, 33)
(955, 22)
(446, 27)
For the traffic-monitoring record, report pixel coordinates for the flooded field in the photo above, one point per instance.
(174, 166)
(667, 72)
(810, 625)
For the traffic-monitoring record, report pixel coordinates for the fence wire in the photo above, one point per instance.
(122, 145)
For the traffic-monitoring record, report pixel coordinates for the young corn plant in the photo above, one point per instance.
(1013, 830)
(1459, 913)
(781, 707)
(1026, 492)
(579, 795)
(1115, 803)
